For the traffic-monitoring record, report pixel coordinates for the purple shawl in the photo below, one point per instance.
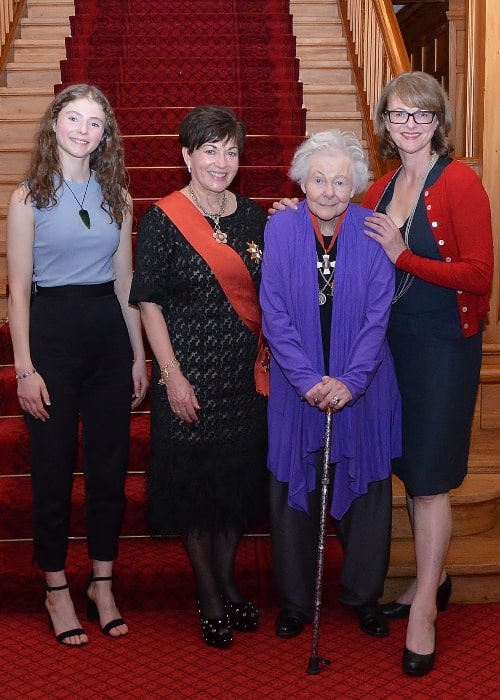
(367, 432)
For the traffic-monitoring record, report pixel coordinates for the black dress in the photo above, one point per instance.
(211, 475)
(436, 367)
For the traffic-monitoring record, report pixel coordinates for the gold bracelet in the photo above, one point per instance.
(164, 371)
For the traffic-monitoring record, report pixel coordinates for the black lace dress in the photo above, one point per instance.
(210, 475)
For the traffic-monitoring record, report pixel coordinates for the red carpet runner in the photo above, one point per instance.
(155, 60)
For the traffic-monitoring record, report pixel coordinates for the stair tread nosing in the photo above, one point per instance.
(473, 554)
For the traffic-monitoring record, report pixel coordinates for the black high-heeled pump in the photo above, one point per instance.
(216, 631)
(93, 612)
(419, 664)
(243, 616)
(77, 632)
(401, 611)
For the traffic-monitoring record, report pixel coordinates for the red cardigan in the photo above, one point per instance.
(459, 215)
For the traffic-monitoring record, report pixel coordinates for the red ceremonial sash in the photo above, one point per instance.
(229, 270)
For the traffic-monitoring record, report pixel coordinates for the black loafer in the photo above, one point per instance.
(288, 624)
(372, 621)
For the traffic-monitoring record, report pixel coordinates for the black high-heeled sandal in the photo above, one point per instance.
(216, 631)
(93, 612)
(401, 611)
(243, 616)
(77, 632)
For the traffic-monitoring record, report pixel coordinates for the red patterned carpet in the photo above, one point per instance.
(155, 63)
(164, 656)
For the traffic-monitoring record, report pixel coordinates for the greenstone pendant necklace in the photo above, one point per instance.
(83, 213)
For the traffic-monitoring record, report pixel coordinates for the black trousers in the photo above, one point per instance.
(365, 535)
(82, 350)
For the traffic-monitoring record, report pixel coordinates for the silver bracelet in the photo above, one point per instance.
(26, 374)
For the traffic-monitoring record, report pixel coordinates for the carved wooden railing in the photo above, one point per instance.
(377, 54)
(10, 12)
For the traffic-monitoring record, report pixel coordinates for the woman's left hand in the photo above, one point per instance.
(329, 393)
(140, 381)
(383, 230)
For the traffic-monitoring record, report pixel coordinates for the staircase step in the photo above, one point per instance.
(48, 27)
(164, 150)
(15, 460)
(306, 8)
(20, 128)
(15, 158)
(54, 8)
(337, 120)
(473, 563)
(39, 49)
(336, 73)
(317, 27)
(159, 68)
(270, 182)
(474, 506)
(15, 501)
(28, 100)
(33, 74)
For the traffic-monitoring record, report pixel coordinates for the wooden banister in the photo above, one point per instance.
(377, 53)
(10, 14)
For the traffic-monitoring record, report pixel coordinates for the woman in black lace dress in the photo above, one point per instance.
(196, 285)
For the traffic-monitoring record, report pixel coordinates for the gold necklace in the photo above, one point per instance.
(219, 235)
(83, 213)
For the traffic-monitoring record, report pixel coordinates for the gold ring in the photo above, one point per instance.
(335, 400)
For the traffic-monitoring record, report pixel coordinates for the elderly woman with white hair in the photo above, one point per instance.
(326, 294)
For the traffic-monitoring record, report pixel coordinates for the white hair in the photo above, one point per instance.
(331, 141)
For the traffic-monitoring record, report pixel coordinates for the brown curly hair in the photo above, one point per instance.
(44, 176)
(422, 91)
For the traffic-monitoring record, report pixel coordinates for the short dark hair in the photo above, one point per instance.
(211, 124)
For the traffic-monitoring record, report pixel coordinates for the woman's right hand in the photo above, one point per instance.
(181, 397)
(290, 202)
(33, 396)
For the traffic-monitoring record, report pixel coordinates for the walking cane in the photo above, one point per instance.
(314, 659)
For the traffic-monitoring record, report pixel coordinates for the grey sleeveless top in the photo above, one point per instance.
(65, 251)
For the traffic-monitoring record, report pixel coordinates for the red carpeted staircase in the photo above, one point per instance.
(155, 61)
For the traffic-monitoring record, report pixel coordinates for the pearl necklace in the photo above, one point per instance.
(219, 235)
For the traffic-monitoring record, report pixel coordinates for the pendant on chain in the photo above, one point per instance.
(85, 217)
(219, 235)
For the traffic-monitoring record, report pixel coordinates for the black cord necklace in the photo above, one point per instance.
(83, 213)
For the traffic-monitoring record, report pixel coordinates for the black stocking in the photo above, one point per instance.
(225, 545)
(200, 551)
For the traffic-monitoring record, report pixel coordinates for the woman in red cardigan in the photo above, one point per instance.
(432, 217)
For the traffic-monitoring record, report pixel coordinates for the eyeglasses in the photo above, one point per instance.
(422, 116)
